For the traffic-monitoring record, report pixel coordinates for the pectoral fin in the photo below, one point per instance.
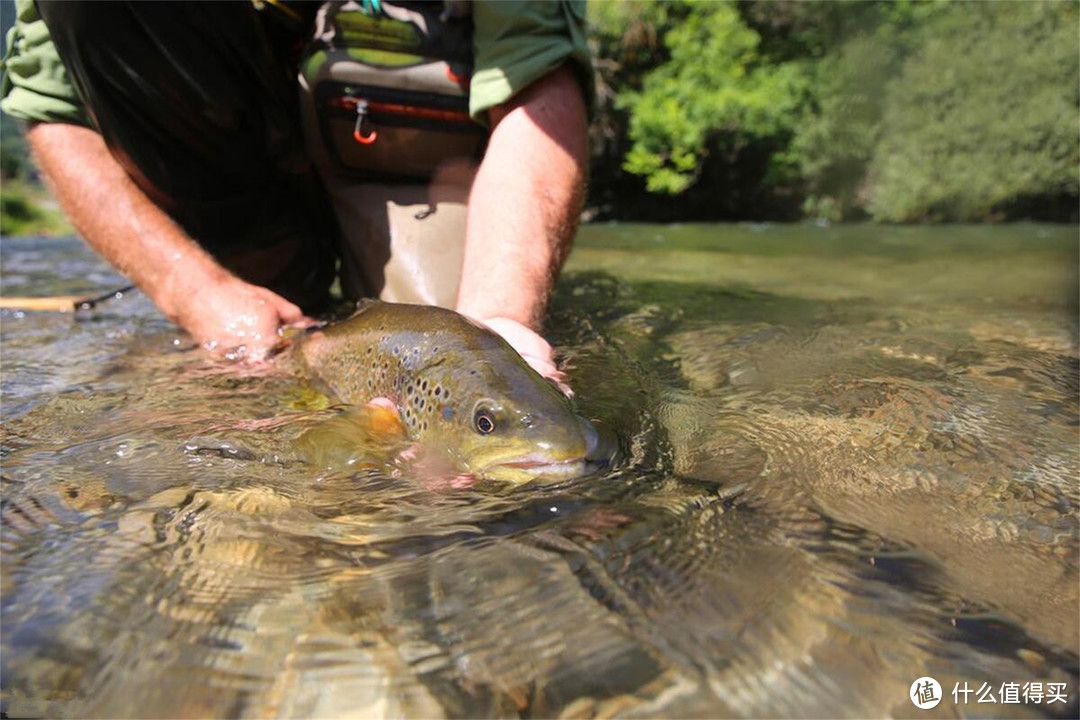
(358, 436)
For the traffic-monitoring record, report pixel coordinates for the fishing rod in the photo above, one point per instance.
(61, 303)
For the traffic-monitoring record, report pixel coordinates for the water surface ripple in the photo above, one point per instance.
(850, 460)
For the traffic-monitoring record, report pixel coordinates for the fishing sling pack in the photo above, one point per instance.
(390, 84)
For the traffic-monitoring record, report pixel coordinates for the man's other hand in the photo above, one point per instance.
(235, 319)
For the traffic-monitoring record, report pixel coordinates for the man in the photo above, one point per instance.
(171, 136)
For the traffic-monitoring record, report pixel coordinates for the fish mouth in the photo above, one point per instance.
(540, 467)
(545, 465)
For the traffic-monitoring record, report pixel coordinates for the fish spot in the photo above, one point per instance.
(438, 390)
(447, 412)
(424, 385)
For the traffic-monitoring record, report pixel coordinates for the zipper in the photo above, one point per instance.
(363, 108)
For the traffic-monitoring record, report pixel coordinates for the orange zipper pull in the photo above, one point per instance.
(358, 130)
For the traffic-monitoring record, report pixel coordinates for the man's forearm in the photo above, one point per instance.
(222, 312)
(116, 218)
(525, 202)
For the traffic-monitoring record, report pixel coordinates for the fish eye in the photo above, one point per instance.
(484, 421)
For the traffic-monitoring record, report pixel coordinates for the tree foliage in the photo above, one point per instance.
(714, 88)
(901, 111)
(984, 114)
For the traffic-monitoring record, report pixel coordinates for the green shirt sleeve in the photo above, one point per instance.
(35, 84)
(516, 42)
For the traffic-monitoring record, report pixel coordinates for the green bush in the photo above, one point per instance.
(715, 90)
(984, 114)
(899, 111)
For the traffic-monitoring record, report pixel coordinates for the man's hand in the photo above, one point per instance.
(534, 349)
(236, 319)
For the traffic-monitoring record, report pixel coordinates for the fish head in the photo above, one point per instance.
(500, 419)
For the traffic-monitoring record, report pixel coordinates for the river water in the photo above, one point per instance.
(850, 461)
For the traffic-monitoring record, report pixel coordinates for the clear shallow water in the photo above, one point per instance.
(852, 461)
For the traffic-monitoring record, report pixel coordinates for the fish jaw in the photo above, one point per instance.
(526, 464)
(540, 469)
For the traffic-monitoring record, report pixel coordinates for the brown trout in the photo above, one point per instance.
(457, 386)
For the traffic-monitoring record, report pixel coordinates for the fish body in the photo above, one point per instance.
(457, 386)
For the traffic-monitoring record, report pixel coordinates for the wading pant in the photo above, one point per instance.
(401, 242)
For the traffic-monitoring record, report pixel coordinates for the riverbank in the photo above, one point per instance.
(28, 210)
